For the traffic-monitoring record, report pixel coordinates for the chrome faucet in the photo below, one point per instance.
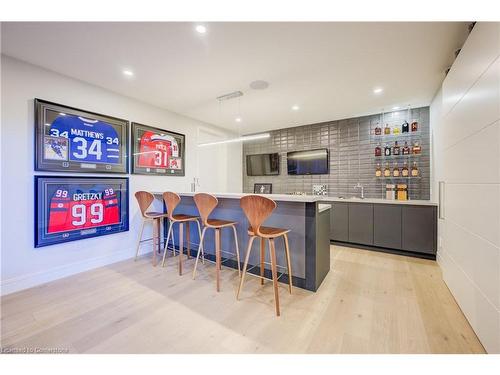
(360, 186)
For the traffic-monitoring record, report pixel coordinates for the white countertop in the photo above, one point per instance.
(315, 198)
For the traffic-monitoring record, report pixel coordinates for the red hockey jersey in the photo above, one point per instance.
(156, 150)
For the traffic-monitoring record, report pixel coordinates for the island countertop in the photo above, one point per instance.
(316, 198)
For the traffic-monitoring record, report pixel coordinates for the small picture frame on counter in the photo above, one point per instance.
(263, 188)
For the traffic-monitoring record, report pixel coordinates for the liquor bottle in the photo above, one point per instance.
(387, 150)
(378, 129)
(405, 128)
(404, 171)
(378, 171)
(406, 149)
(387, 171)
(395, 130)
(396, 149)
(378, 150)
(387, 129)
(414, 170)
(414, 125)
(416, 148)
(395, 170)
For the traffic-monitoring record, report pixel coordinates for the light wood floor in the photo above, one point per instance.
(369, 303)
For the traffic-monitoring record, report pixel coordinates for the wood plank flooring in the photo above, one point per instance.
(369, 303)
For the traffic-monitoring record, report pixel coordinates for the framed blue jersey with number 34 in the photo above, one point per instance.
(70, 139)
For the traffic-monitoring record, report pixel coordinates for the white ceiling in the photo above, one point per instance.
(328, 69)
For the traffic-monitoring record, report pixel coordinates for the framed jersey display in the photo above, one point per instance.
(74, 208)
(157, 151)
(71, 140)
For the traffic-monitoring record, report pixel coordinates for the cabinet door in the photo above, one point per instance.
(419, 229)
(361, 223)
(339, 222)
(387, 226)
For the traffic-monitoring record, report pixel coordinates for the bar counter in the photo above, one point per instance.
(307, 218)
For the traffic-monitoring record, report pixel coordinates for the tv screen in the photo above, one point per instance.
(263, 165)
(308, 162)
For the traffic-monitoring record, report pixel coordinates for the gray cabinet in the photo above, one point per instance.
(339, 222)
(361, 223)
(387, 226)
(419, 229)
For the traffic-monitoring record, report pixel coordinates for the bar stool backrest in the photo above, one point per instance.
(171, 201)
(205, 203)
(144, 199)
(257, 209)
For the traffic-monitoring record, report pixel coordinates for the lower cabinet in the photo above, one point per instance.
(419, 229)
(339, 222)
(361, 223)
(387, 226)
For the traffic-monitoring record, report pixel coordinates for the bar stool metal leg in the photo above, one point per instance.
(139, 240)
(200, 250)
(247, 255)
(200, 244)
(275, 276)
(170, 231)
(237, 249)
(262, 258)
(288, 262)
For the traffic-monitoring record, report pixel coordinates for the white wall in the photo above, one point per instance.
(465, 121)
(24, 266)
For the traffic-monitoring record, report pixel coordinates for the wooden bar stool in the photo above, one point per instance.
(144, 199)
(257, 209)
(206, 203)
(172, 200)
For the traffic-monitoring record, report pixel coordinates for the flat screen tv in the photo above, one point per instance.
(263, 165)
(308, 162)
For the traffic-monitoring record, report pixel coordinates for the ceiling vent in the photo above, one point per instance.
(231, 95)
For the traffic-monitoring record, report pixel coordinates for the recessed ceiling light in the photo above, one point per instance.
(201, 29)
(128, 73)
(237, 119)
(295, 107)
(378, 90)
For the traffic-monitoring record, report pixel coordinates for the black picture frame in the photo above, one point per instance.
(155, 151)
(262, 188)
(74, 208)
(69, 139)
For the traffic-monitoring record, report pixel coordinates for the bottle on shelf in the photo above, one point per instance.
(378, 150)
(402, 192)
(387, 171)
(395, 170)
(378, 171)
(414, 125)
(396, 149)
(390, 191)
(417, 149)
(414, 170)
(378, 129)
(387, 150)
(405, 128)
(405, 171)
(387, 129)
(406, 149)
(396, 130)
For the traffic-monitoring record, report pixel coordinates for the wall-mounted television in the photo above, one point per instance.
(263, 165)
(308, 162)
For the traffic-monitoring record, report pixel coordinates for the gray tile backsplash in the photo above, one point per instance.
(351, 144)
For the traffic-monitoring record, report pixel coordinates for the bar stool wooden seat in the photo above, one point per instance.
(206, 203)
(257, 209)
(172, 200)
(144, 199)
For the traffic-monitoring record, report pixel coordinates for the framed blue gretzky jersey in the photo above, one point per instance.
(74, 208)
(72, 140)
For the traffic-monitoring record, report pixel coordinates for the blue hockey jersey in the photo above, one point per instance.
(90, 141)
